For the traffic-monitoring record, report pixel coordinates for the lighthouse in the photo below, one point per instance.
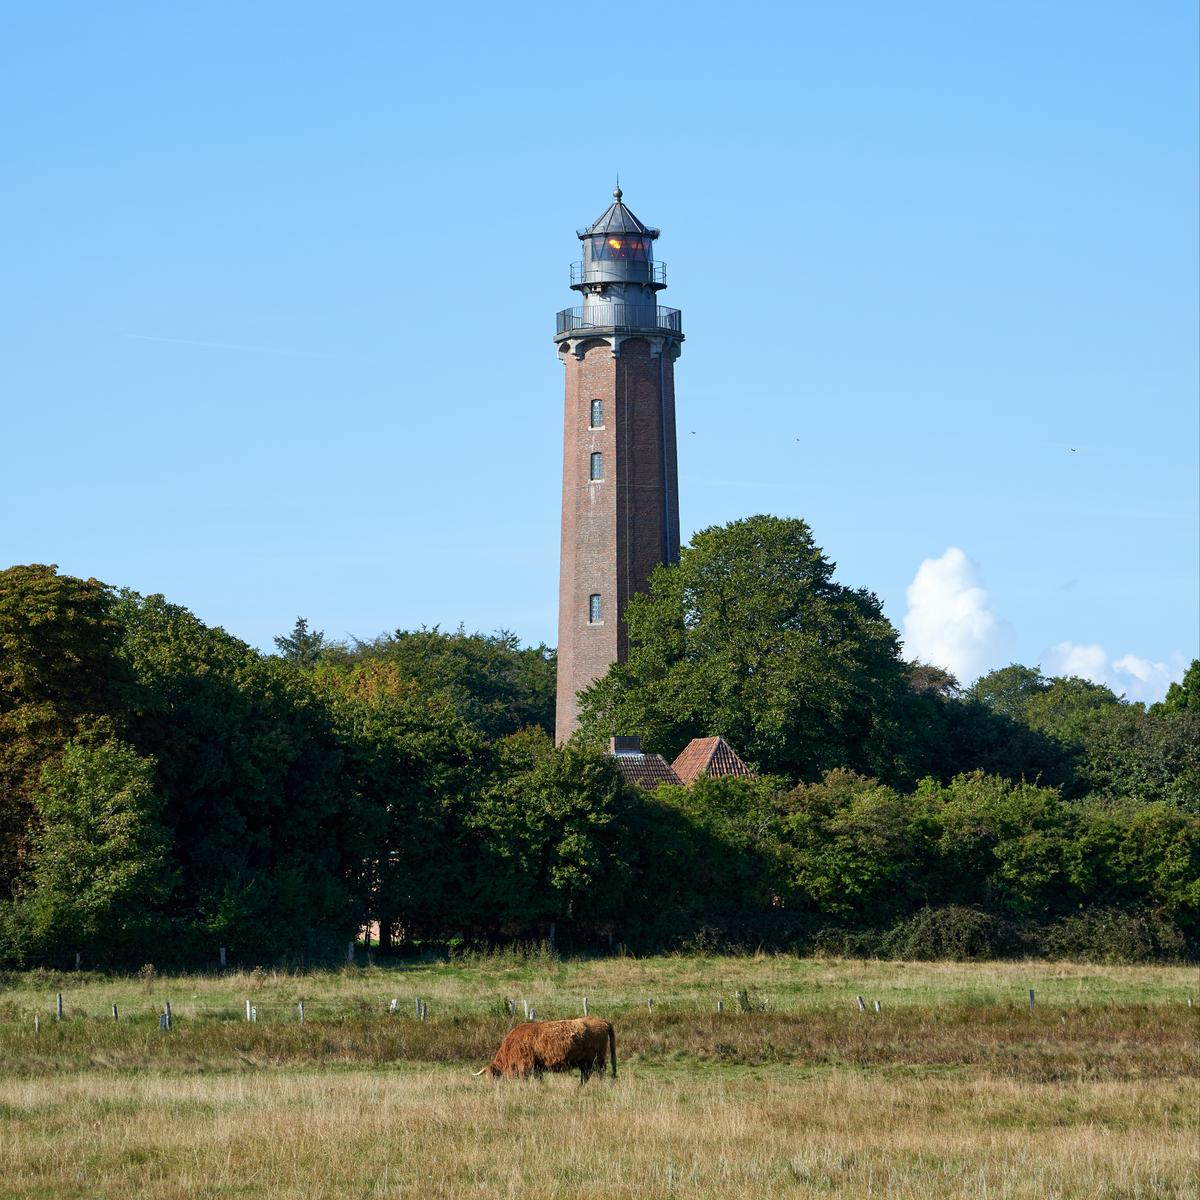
(620, 497)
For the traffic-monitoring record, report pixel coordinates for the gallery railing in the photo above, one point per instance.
(618, 271)
(618, 316)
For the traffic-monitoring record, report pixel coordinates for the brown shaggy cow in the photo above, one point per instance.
(539, 1046)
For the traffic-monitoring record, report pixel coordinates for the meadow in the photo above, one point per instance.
(955, 1087)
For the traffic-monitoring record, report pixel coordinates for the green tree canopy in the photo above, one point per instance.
(303, 646)
(494, 683)
(58, 668)
(550, 823)
(266, 837)
(856, 848)
(1064, 709)
(102, 869)
(1008, 690)
(750, 637)
(1185, 695)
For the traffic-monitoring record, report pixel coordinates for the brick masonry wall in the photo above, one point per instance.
(617, 530)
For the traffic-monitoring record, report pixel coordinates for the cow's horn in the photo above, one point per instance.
(476, 1074)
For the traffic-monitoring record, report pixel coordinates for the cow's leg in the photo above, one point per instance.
(585, 1073)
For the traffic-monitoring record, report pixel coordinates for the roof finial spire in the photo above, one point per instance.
(617, 189)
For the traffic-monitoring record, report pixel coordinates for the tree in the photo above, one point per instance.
(101, 871)
(551, 828)
(266, 833)
(1064, 709)
(1125, 751)
(857, 849)
(414, 766)
(1008, 690)
(1004, 844)
(58, 668)
(1142, 854)
(750, 637)
(1184, 696)
(303, 646)
(926, 679)
(737, 832)
(494, 683)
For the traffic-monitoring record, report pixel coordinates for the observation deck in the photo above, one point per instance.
(619, 318)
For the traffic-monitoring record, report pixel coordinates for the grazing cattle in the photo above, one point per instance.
(539, 1046)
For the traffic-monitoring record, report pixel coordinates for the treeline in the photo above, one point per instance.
(166, 789)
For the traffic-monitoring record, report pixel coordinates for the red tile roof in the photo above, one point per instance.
(709, 756)
(645, 770)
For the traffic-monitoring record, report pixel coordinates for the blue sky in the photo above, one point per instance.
(276, 335)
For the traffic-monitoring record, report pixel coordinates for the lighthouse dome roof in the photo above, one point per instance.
(616, 218)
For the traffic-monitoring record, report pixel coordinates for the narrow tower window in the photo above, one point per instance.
(594, 610)
(597, 413)
(597, 466)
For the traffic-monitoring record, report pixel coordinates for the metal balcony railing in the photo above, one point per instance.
(624, 316)
(619, 272)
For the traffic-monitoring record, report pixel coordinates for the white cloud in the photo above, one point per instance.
(948, 622)
(1130, 675)
(1067, 658)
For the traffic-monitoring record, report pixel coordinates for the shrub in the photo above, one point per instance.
(953, 932)
(835, 942)
(1113, 935)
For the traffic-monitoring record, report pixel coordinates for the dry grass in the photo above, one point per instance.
(954, 1090)
(434, 1134)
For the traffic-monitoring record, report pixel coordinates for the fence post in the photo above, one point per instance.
(650, 1006)
(1031, 999)
(350, 953)
(58, 1008)
(247, 1010)
(394, 1005)
(418, 999)
(77, 960)
(585, 1011)
(37, 1023)
(511, 1005)
(862, 1006)
(720, 1006)
(877, 1006)
(254, 1012)
(221, 952)
(115, 1017)
(525, 1005)
(533, 1014)
(300, 1006)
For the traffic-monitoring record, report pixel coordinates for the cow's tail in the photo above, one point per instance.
(612, 1048)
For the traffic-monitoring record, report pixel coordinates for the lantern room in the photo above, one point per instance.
(617, 248)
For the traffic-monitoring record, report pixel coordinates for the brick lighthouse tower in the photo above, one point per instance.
(620, 505)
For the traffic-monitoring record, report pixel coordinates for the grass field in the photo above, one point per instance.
(953, 1089)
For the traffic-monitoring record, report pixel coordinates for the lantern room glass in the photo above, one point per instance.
(617, 247)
